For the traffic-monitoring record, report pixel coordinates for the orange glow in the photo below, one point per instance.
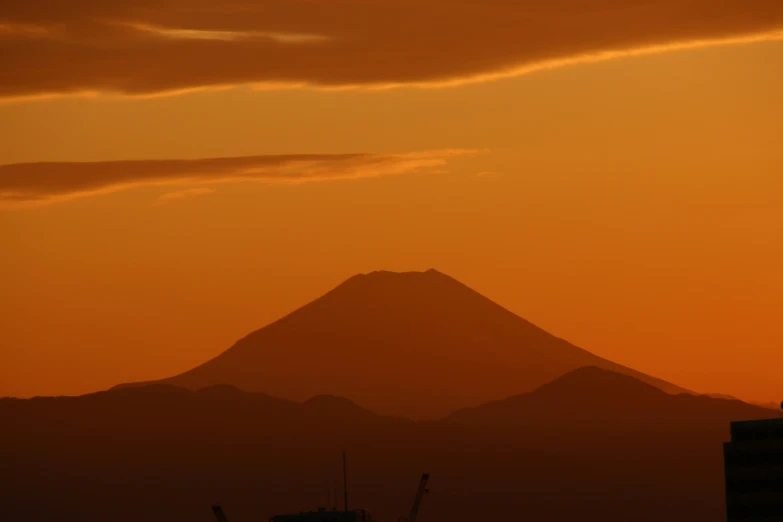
(633, 207)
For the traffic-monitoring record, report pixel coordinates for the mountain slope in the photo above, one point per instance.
(583, 447)
(417, 344)
(602, 402)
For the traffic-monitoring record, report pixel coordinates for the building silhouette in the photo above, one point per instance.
(753, 467)
(324, 515)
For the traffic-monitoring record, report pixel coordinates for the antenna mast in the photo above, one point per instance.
(345, 482)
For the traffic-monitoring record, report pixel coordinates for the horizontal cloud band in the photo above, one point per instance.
(25, 183)
(145, 46)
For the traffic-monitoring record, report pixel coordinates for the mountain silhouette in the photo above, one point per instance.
(589, 392)
(603, 402)
(414, 344)
(592, 445)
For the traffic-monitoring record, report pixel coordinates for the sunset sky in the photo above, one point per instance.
(176, 174)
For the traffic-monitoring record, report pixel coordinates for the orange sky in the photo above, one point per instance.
(633, 207)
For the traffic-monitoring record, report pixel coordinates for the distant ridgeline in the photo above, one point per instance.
(592, 444)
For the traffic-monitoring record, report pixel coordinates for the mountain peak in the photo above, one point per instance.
(597, 381)
(223, 390)
(603, 402)
(429, 271)
(398, 277)
(409, 344)
(590, 387)
(335, 407)
(329, 400)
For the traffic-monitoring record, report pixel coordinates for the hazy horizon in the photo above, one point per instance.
(769, 402)
(175, 177)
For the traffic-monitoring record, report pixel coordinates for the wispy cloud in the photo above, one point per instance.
(201, 34)
(42, 183)
(184, 194)
(54, 47)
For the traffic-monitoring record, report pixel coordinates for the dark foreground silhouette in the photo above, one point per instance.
(753, 463)
(592, 445)
(416, 344)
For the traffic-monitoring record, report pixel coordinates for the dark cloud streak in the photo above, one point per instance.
(54, 46)
(26, 183)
